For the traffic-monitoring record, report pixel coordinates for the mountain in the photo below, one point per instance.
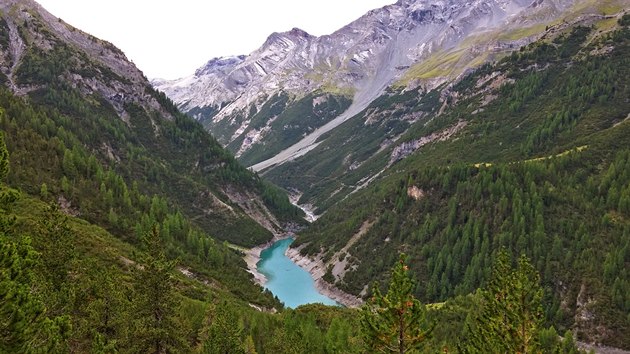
(506, 130)
(409, 43)
(113, 205)
(281, 101)
(527, 154)
(101, 111)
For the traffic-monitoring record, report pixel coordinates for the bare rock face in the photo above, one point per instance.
(361, 59)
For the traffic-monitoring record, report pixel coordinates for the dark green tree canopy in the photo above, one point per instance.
(395, 322)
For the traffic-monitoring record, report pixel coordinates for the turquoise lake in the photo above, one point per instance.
(291, 284)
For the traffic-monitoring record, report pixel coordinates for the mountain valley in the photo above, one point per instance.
(470, 155)
(509, 85)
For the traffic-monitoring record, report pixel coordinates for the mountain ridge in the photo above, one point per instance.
(393, 45)
(90, 87)
(529, 155)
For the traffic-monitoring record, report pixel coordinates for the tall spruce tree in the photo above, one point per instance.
(395, 322)
(107, 311)
(222, 333)
(511, 318)
(156, 329)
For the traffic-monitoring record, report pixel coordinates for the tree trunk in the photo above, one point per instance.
(401, 333)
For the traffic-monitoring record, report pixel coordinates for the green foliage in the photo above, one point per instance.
(4, 158)
(26, 325)
(156, 329)
(278, 201)
(222, 332)
(56, 245)
(547, 191)
(512, 310)
(551, 342)
(21, 310)
(395, 322)
(4, 34)
(107, 314)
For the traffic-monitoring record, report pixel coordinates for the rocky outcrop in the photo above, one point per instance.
(255, 208)
(407, 148)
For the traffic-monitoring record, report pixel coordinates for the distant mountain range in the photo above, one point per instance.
(407, 44)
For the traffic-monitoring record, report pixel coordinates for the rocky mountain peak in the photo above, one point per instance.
(91, 65)
(219, 64)
(286, 39)
(299, 33)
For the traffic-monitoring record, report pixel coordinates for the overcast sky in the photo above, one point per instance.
(171, 38)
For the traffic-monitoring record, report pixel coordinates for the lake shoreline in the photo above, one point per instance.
(316, 268)
(313, 267)
(252, 257)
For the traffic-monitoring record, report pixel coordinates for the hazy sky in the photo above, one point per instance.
(171, 38)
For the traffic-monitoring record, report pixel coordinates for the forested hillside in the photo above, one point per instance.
(69, 286)
(111, 147)
(540, 167)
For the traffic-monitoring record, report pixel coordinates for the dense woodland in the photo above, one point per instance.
(64, 289)
(542, 170)
(105, 247)
(87, 148)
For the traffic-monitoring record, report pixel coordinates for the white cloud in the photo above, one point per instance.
(170, 39)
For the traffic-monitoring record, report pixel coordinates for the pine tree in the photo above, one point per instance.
(107, 314)
(222, 333)
(284, 341)
(511, 318)
(4, 159)
(338, 336)
(155, 304)
(249, 346)
(57, 247)
(21, 311)
(395, 323)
